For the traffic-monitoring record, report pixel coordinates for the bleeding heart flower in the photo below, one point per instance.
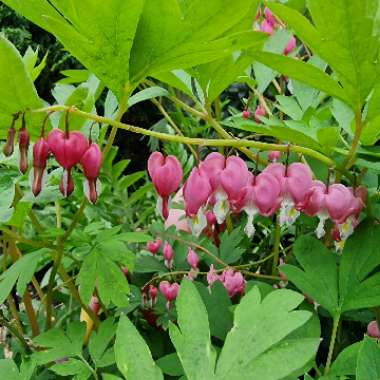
(68, 149)
(212, 276)
(246, 114)
(23, 143)
(260, 111)
(168, 254)
(212, 166)
(274, 155)
(291, 45)
(91, 162)
(373, 330)
(153, 246)
(196, 192)
(266, 27)
(95, 305)
(296, 180)
(233, 282)
(169, 291)
(41, 151)
(153, 293)
(166, 174)
(270, 17)
(261, 196)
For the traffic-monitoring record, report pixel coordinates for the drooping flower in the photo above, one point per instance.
(295, 180)
(212, 276)
(9, 145)
(41, 151)
(169, 291)
(196, 193)
(262, 196)
(266, 27)
(290, 46)
(153, 293)
(260, 111)
(23, 143)
(91, 162)
(373, 330)
(166, 174)
(246, 114)
(153, 246)
(274, 155)
(192, 259)
(68, 149)
(270, 17)
(234, 282)
(168, 254)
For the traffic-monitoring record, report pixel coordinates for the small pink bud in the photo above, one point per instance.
(246, 114)
(212, 276)
(41, 152)
(9, 145)
(95, 305)
(166, 174)
(23, 142)
(373, 330)
(153, 291)
(168, 254)
(260, 111)
(153, 246)
(291, 45)
(266, 27)
(196, 191)
(91, 162)
(193, 259)
(274, 155)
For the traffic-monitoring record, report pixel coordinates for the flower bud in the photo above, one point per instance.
(23, 142)
(9, 145)
(274, 155)
(291, 45)
(168, 254)
(41, 152)
(260, 111)
(192, 259)
(373, 330)
(153, 246)
(91, 162)
(246, 114)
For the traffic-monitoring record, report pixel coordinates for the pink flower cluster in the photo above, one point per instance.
(68, 148)
(270, 24)
(225, 185)
(234, 282)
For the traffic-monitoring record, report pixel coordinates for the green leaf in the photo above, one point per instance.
(133, 357)
(73, 367)
(146, 94)
(342, 42)
(146, 263)
(98, 268)
(30, 59)
(345, 363)
(21, 272)
(101, 339)
(9, 370)
(170, 365)
(360, 257)
(229, 249)
(59, 344)
(218, 305)
(262, 327)
(304, 73)
(192, 336)
(368, 364)
(17, 91)
(315, 259)
(135, 237)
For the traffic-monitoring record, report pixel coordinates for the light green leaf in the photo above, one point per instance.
(229, 249)
(100, 340)
(170, 365)
(30, 59)
(146, 94)
(368, 364)
(73, 367)
(315, 259)
(345, 363)
(9, 370)
(17, 91)
(192, 336)
(262, 327)
(133, 357)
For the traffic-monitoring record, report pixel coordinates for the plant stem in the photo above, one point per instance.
(350, 159)
(332, 343)
(31, 313)
(75, 220)
(15, 314)
(241, 144)
(15, 332)
(276, 246)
